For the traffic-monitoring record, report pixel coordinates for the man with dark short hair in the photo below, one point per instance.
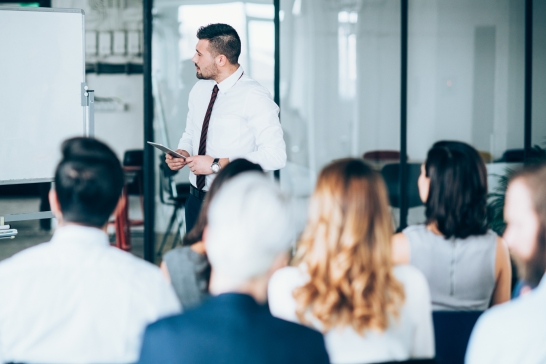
(76, 299)
(230, 116)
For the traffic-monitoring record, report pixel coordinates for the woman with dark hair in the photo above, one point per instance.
(466, 264)
(187, 267)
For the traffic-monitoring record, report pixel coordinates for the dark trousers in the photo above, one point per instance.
(193, 206)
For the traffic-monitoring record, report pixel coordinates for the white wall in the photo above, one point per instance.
(457, 89)
(121, 130)
(442, 66)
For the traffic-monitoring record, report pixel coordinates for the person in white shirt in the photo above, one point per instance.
(345, 284)
(76, 299)
(515, 332)
(230, 116)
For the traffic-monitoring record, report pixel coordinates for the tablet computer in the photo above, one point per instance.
(167, 150)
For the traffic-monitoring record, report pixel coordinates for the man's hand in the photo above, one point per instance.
(200, 164)
(177, 163)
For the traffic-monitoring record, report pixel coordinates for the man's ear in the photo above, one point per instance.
(221, 60)
(55, 206)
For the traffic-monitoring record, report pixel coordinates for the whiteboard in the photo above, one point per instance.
(42, 67)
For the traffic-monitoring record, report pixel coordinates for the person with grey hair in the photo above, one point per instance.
(248, 236)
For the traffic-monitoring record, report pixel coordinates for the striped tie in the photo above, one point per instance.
(204, 130)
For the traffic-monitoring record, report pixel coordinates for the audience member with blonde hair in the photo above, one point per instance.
(345, 284)
(515, 332)
(466, 264)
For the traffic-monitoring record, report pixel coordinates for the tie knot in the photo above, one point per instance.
(215, 89)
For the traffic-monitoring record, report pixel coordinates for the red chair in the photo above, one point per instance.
(378, 156)
(132, 168)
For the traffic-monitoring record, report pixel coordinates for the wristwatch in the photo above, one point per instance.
(215, 165)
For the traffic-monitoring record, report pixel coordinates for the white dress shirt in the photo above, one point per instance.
(411, 336)
(244, 123)
(76, 299)
(511, 333)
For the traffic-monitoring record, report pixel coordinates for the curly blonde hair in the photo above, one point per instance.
(346, 250)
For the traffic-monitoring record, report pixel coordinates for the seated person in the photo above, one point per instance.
(187, 267)
(516, 331)
(76, 299)
(247, 238)
(345, 284)
(466, 264)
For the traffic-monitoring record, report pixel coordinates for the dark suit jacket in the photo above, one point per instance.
(231, 328)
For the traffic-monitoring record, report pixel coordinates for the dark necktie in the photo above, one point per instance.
(204, 131)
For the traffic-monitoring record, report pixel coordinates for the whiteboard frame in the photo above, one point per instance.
(84, 126)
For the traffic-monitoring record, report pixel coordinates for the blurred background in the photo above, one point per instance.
(339, 75)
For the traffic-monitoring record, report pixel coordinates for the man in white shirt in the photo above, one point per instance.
(515, 332)
(230, 116)
(76, 299)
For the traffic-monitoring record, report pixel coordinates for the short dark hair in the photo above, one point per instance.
(223, 40)
(88, 181)
(231, 170)
(457, 198)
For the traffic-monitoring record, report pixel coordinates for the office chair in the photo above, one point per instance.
(172, 194)
(391, 175)
(412, 361)
(452, 331)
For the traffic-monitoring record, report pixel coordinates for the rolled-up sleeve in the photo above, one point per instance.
(186, 142)
(262, 115)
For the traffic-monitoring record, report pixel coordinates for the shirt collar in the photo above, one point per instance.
(229, 82)
(80, 235)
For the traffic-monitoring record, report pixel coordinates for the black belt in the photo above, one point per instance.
(200, 194)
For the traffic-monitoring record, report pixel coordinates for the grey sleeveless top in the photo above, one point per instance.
(460, 272)
(189, 272)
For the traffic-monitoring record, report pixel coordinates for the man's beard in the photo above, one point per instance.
(208, 73)
(534, 269)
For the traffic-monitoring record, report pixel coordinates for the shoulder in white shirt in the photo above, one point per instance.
(76, 299)
(514, 332)
(412, 336)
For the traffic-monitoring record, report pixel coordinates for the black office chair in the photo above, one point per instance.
(391, 175)
(134, 158)
(412, 361)
(452, 331)
(172, 194)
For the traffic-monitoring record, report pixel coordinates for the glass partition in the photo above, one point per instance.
(466, 80)
(340, 86)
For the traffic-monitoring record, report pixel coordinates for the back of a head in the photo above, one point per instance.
(88, 181)
(346, 249)
(232, 169)
(223, 40)
(249, 225)
(457, 199)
